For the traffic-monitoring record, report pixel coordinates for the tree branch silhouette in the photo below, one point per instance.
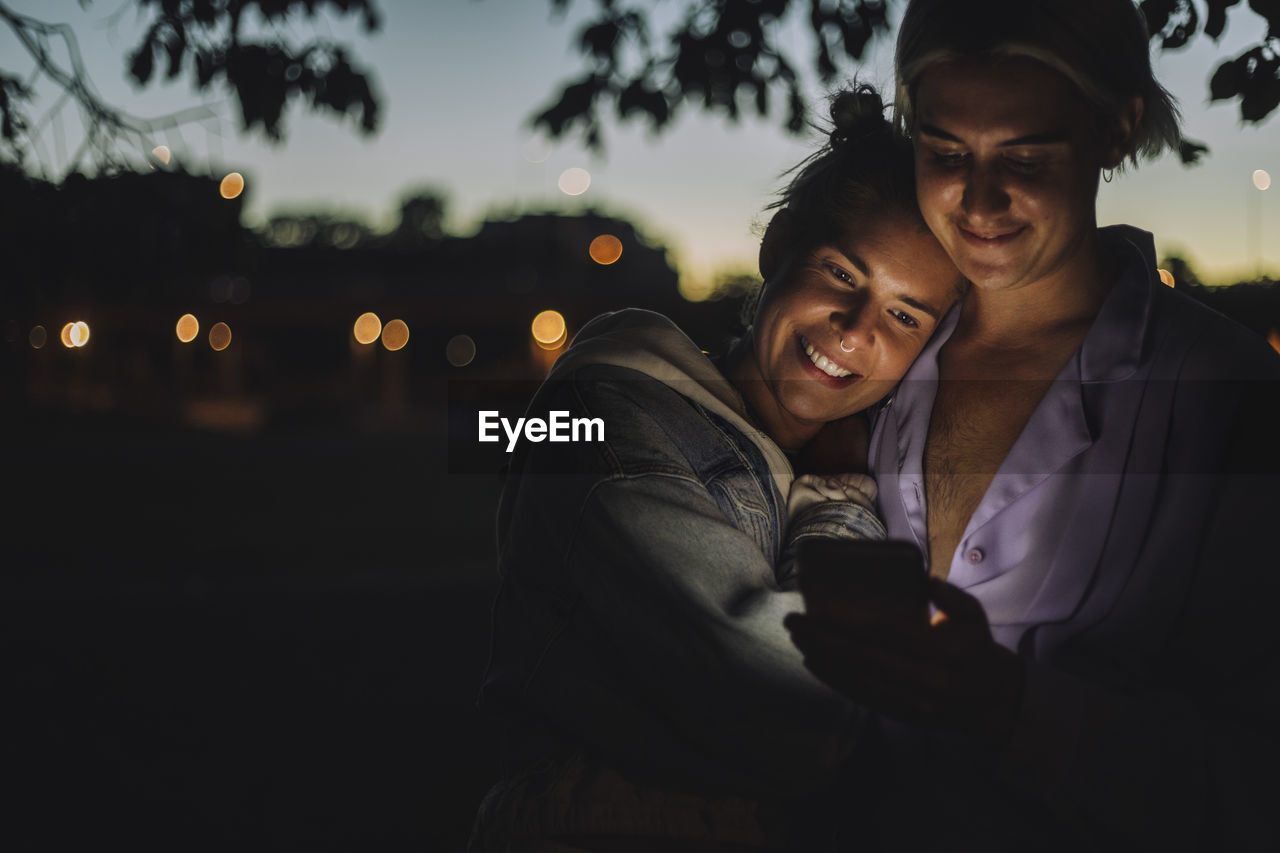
(725, 57)
(207, 41)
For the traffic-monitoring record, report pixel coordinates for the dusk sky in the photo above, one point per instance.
(460, 78)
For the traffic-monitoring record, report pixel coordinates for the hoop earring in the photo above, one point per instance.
(842, 349)
(1108, 174)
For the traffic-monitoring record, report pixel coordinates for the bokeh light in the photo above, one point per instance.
(232, 185)
(220, 336)
(549, 329)
(395, 335)
(38, 337)
(187, 328)
(460, 351)
(1261, 179)
(605, 249)
(162, 154)
(367, 328)
(1273, 338)
(74, 334)
(1166, 277)
(574, 181)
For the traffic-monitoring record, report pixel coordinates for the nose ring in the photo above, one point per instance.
(842, 349)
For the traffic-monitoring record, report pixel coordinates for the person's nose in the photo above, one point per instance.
(985, 195)
(854, 323)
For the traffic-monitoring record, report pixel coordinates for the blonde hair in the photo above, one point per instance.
(1100, 46)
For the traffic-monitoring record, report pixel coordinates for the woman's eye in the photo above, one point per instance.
(949, 158)
(1020, 165)
(839, 273)
(904, 318)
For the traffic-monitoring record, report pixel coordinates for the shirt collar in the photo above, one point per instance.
(1112, 350)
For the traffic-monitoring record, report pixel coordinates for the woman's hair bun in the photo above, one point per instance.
(856, 114)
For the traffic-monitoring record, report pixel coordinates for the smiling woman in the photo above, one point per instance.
(638, 650)
(1009, 184)
(842, 323)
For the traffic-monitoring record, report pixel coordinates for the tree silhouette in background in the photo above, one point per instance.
(725, 56)
(421, 217)
(236, 45)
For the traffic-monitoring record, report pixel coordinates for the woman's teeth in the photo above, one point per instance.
(823, 363)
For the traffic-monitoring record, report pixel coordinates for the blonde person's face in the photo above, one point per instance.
(1007, 164)
(881, 291)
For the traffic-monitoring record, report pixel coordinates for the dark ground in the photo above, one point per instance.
(214, 642)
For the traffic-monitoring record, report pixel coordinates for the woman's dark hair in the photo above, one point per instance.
(865, 168)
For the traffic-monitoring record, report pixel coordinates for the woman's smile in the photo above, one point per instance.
(983, 238)
(822, 366)
(839, 323)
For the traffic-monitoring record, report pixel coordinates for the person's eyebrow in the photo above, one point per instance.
(930, 130)
(922, 306)
(1048, 137)
(856, 261)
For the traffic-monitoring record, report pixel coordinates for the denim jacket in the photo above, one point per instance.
(645, 577)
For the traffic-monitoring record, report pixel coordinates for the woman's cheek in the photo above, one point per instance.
(934, 191)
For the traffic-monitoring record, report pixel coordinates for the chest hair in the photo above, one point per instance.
(974, 425)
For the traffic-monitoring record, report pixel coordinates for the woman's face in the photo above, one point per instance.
(839, 326)
(1007, 163)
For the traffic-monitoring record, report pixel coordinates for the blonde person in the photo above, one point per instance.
(1088, 459)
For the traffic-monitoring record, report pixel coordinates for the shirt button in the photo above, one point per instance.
(974, 555)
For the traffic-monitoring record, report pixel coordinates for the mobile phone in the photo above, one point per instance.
(882, 575)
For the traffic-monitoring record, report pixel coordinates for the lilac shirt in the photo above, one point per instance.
(1112, 552)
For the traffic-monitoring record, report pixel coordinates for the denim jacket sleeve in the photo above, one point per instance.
(840, 506)
(667, 651)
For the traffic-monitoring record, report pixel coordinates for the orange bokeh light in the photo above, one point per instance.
(187, 328)
(232, 185)
(367, 328)
(605, 249)
(74, 334)
(549, 329)
(220, 336)
(395, 335)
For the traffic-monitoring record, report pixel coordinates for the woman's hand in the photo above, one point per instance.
(840, 447)
(949, 674)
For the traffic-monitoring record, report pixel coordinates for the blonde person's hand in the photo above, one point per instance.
(840, 447)
(949, 674)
